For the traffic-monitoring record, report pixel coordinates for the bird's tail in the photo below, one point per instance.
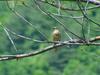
(55, 49)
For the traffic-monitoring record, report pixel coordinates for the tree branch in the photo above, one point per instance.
(51, 47)
(95, 2)
(69, 9)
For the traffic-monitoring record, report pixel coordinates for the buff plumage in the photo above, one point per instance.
(56, 36)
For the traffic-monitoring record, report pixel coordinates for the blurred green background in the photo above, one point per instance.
(68, 60)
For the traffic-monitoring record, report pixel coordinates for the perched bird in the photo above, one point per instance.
(56, 35)
(94, 39)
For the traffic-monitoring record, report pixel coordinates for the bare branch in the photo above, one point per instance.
(10, 38)
(24, 19)
(85, 14)
(50, 15)
(51, 47)
(69, 9)
(95, 2)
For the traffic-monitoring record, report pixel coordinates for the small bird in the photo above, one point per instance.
(56, 35)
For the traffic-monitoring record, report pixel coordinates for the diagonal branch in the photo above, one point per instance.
(51, 47)
(95, 2)
(24, 19)
(53, 17)
(85, 14)
(70, 9)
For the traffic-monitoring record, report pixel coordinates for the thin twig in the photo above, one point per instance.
(48, 14)
(28, 38)
(10, 38)
(69, 9)
(23, 18)
(85, 14)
